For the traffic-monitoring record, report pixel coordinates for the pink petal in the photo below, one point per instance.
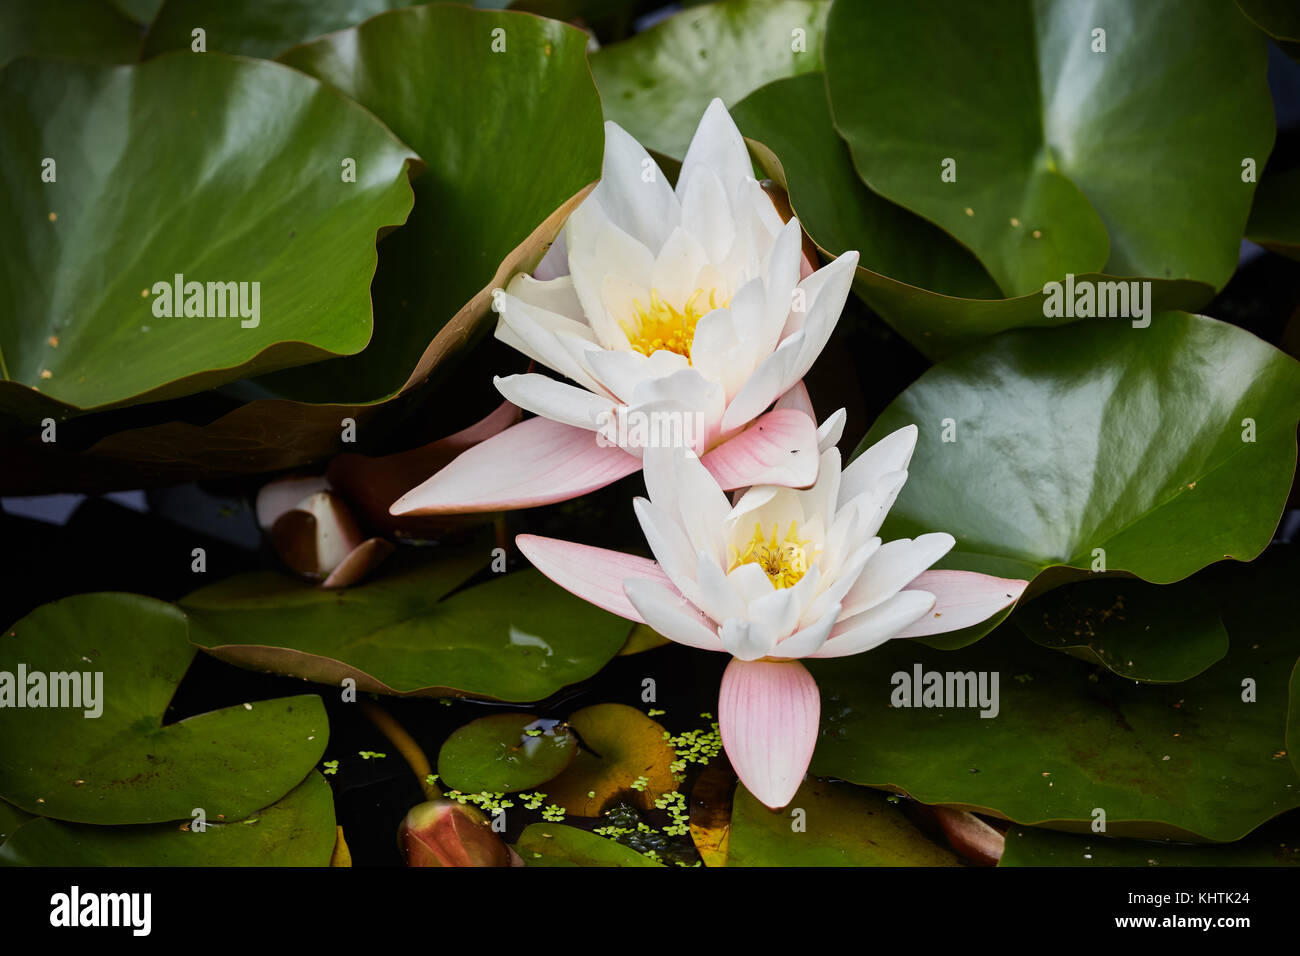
(767, 715)
(962, 598)
(536, 462)
(363, 559)
(778, 448)
(594, 574)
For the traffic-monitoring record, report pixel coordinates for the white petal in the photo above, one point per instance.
(558, 401)
(891, 453)
(864, 631)
(706, 211)
(634, 192)
(670, 615)
(893, 568)
(810, 639)
(747, 640)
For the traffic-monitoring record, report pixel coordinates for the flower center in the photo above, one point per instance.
(660, 326)
(784, 561)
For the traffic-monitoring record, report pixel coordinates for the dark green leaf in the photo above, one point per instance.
(829, 824)
(657, 84)
(126, 765)
(1033, 112)
(516, 637)
(552, 844)
(1156, 633)
(497, 754)
(297, 830)
(253, 157)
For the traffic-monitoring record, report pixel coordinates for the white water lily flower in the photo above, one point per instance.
(665, 309)
(779, 575)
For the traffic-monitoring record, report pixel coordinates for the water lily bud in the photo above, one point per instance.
(316, 535)
(446, 833)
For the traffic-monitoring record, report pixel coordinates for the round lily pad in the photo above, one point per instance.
(104, 755)
(505, 753)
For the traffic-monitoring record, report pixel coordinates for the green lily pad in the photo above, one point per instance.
(928, 286)
(1156, 633)
(1275, 217)
(259, 28)
(11, 818)
(1280, 19)
(498, 754)
(509, 156)
(552, 844)
(1099, 437)
(126, 765)
(89, 31)
(657, 83)
(141, 11)
(829, 824)
(1028, 846)
(516, 637)
(1023, 98)
(297, 830)
(254, 154)
(1183, 761)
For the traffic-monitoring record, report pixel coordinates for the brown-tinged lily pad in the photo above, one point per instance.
(623, 753)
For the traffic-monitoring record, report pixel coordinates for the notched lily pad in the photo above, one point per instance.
(121, 656)
(553, 844)
(253, 156)
(505, 753)
(1200, 760)
(1038, 456)
(297, 830)
(623, 753)
(829, 824)
(1162, 634)
(1032, 846)
(514, 637)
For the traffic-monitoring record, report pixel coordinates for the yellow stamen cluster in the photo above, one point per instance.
(783, 561)
(661, 326)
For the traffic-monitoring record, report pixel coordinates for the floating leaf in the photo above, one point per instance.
(552, 844)
(515, 637)
(917, 277)
(1030, 102)
(1028, 846)
(642, 638)
(260, 28)
(504, 753)
(1162, 634)
(711, 800)
(1275, 217)
(657, 84)
(1192, 760)
(509, 156)
(297, 830)
(829, 824)
(257, 164)
(11, 818)
(1280, 19)
(1057, 459)
(91, 31)
(126, 765)
(620, 747)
